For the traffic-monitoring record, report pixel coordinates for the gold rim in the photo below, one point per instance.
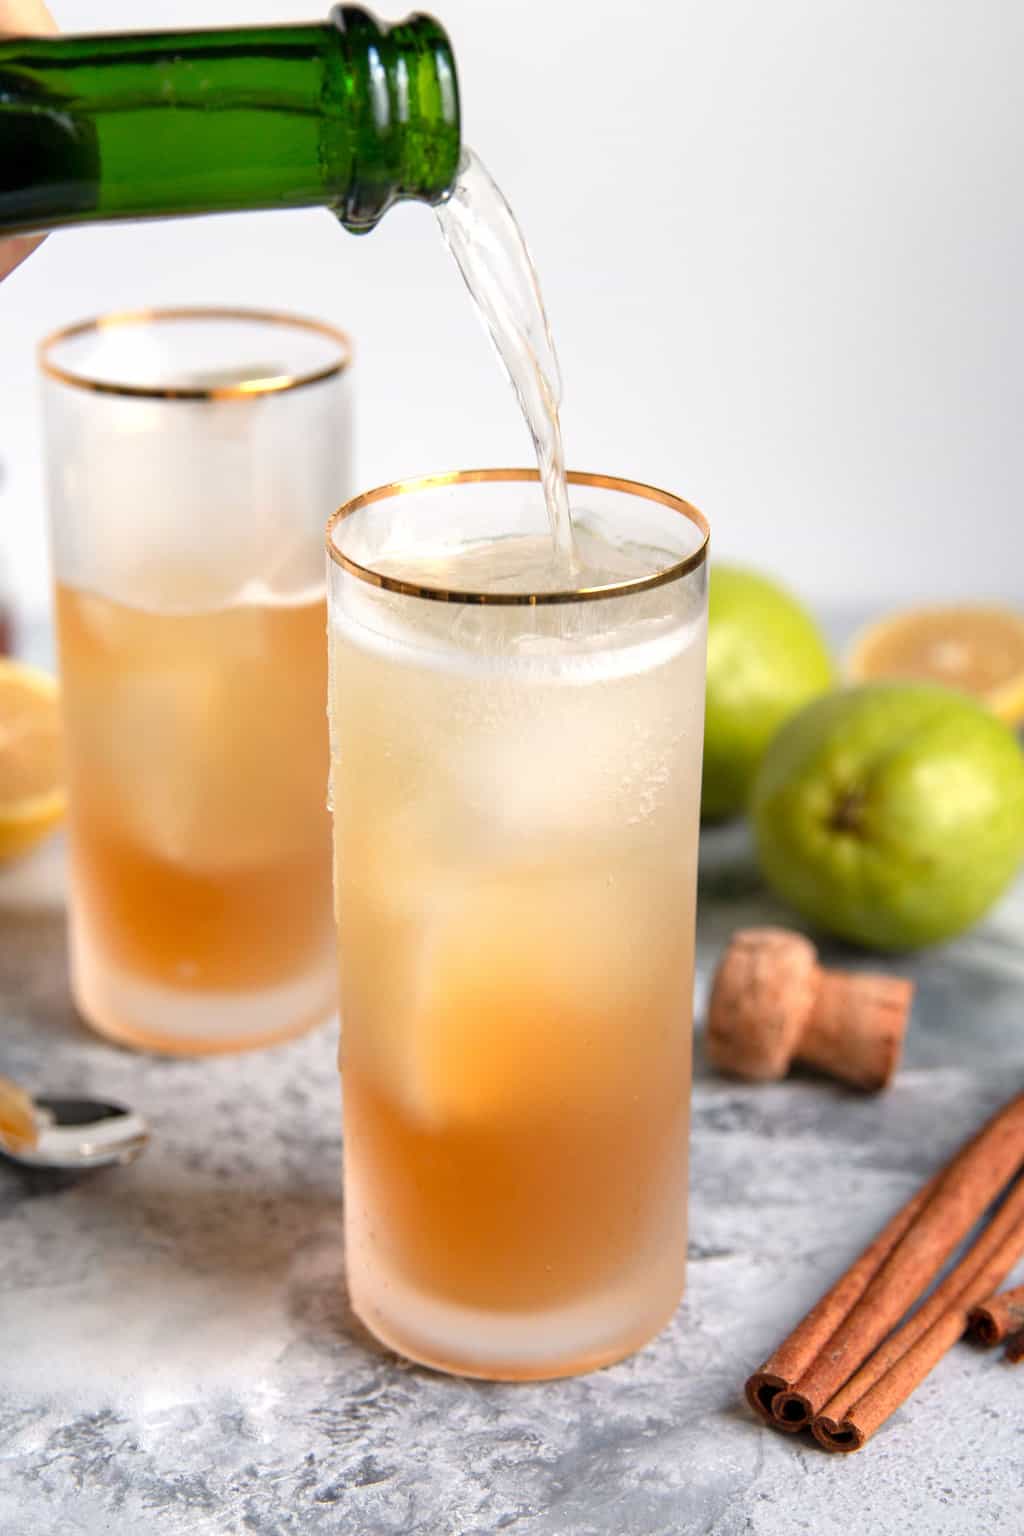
(247, 389)
(507, 599)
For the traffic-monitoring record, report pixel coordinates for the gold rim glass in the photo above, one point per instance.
(696, 539)
(515, 790)
(192, 459)
(308, 352)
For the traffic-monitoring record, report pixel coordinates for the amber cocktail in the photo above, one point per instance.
(193, 457)
(516, 782)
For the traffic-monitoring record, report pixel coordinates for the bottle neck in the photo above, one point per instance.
(348, 114)
(402, 84)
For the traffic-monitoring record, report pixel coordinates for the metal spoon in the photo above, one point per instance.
(67, 1134)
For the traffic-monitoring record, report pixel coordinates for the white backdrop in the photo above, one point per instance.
(782, 245)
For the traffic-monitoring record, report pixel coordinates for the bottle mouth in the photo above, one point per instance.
(407, 94)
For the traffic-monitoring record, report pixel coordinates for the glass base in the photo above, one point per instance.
(150, 1017)
(503, 1346)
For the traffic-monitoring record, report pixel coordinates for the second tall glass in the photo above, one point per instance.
(193, 457)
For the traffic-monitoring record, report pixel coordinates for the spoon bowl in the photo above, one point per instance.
(75, 1134)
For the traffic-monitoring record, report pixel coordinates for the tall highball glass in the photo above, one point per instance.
(516, 783)
(193, 457)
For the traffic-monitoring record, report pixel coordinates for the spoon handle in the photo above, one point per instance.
(18, 1127)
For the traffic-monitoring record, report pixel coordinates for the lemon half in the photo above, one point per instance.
(976, 648)
(17, 1116)
(32, 799)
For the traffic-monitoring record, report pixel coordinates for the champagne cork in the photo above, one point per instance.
(772, 1004)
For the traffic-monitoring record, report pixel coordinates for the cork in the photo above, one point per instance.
(772, 1004)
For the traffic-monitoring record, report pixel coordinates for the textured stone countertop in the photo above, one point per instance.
(177, 1354)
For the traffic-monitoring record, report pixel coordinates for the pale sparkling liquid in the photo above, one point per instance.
(482, 234)
(197, 752)
(515, 822)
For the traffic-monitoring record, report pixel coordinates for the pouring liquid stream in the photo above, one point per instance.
(481, 232)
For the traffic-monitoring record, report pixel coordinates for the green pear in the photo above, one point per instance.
(766, 659)
(891, 814)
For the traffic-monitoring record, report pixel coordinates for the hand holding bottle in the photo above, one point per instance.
(27, 17)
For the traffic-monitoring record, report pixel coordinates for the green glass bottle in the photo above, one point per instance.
(349, 114)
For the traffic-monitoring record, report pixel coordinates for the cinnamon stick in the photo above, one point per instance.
(833, 1341)
(782, 1370)
(998, 1316)
(966, 1188)
(909, 1369)
(1015, 1349)
(987, 1263)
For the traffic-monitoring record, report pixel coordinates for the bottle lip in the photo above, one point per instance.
(427, 175)
(244, 389)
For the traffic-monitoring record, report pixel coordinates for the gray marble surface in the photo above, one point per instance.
(177, 1354)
